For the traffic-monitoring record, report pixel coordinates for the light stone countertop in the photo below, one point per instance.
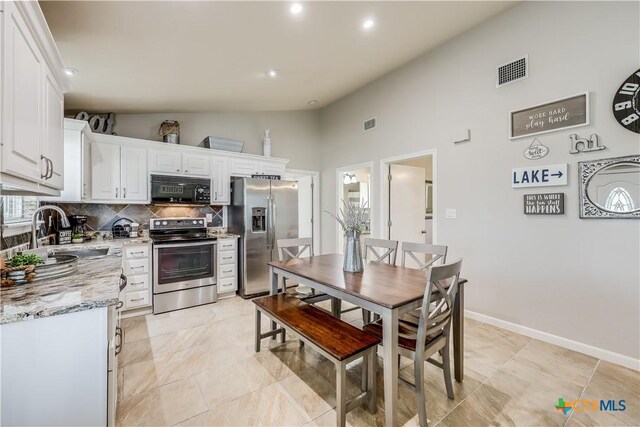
(96, 284)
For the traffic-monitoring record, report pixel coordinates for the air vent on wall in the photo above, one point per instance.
(369, 124)
(513, 71)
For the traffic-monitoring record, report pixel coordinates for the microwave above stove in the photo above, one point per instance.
(180, 190)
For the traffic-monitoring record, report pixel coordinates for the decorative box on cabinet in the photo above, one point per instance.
(227, 266)
(32, 87)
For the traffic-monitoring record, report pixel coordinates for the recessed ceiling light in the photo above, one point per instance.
(368, 24)
(312, 101)
(70, 71)
(273, 73)
(296, 8)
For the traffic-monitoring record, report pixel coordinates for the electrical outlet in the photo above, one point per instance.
(209, 218)
(450, 214)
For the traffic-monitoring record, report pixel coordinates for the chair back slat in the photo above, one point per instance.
(410, 250)
(294, 248)
(437, 305)
(373, 245)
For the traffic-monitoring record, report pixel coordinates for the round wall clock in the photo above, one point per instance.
(626, 103)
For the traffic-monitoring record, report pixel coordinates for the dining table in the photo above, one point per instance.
(381, 288)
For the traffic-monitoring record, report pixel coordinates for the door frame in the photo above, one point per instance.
(339, 196)
(315, 179)
(384, 189)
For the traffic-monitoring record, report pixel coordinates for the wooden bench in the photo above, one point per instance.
(338, 341)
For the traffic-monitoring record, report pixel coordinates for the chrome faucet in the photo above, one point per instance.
(34, 223)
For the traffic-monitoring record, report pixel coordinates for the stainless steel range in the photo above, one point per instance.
(184, 264)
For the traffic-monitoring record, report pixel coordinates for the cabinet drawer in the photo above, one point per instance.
(227, 285)
(136, 299)
(136, 266)
(227, 271)
(136, 252)
(138, 283)
(227, 244)
(227, 257)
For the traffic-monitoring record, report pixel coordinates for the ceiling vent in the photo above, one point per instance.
(513, 71)
(369, 124)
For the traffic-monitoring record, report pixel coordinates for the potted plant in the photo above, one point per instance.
(77, 238)
(353, 220)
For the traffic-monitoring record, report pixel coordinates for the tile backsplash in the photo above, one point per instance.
(100, 217)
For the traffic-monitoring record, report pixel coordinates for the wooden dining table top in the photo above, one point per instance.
(382, 284)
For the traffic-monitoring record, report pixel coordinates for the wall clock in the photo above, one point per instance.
(626, 103)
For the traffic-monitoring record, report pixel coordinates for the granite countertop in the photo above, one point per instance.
(96, 284)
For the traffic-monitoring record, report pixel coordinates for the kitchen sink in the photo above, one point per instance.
(85, 252)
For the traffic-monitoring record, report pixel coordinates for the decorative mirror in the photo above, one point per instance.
(610, 188)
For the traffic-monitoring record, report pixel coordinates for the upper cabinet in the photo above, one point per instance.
(220, 181)
(33, 84)
(119, 174)
(253, 166)
(177, 163)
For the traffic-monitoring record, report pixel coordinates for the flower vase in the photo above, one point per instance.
(352, 252)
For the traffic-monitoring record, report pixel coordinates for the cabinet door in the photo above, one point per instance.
(220, 181)
(269, 168)
(21, 99)
(105, 172)
(196, 164)
(166, 161)
(53, 132)
(86, 167)
(134, 174)
(242, 167)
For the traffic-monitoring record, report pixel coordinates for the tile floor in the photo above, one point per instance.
(197, 367)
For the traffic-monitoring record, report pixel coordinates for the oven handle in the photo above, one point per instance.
(186, 244)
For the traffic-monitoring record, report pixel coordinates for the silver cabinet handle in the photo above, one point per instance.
(119, 339)
(46, 174)
(227, 271)
(137, 253)
(124, 192)
(137, 299)
(119, 305)
(185, 171)
(137, 283)
(216, 197)
(177, 170)
(51, 169)
(140, 267)
(116, 192)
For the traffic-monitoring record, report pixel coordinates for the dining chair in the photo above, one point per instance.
(436, 253)
(294, 249)
(432, 335)
(390, 254)
(410, 250)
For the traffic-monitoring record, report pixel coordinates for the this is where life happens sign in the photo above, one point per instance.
(544, 204)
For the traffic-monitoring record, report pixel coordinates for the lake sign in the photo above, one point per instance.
(555, 115)
(539, 176)
(544, 204)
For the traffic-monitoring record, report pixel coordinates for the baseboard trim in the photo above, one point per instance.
(600, 353)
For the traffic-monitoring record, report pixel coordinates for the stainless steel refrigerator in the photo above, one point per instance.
(261, 212)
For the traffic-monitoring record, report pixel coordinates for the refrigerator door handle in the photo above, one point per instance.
(273, 223)
(269, 222)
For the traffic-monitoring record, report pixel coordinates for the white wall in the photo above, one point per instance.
(294, 134)
(577, 279)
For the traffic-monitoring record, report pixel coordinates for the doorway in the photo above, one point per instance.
(409, 197)
(308, 204)
(354, 185)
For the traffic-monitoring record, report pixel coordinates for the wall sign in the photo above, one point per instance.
(544, 204)
(260, 176)
(99, 123)
(539, 176)
(626, 103)
(562, 113)
(582, 145)
(536, 150)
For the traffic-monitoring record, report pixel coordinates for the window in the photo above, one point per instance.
(18, 208)
(619, 200)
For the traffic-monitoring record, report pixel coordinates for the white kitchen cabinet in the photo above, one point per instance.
(175, 162)
(220, 181)
(136, 264)
(32, 87)
(227, 266)
(53, 131)
(196, 164)
(272, 168)
(134, 181)
(105, 172)
(77, 163)
(244, 167)
(118, 174)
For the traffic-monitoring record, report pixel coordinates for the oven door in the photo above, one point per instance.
(178, 266)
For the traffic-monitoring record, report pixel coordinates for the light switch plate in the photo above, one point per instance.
(450, 214)
(209, 218)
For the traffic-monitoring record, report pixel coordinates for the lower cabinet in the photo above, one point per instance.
(136, 264)
(227, 267)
